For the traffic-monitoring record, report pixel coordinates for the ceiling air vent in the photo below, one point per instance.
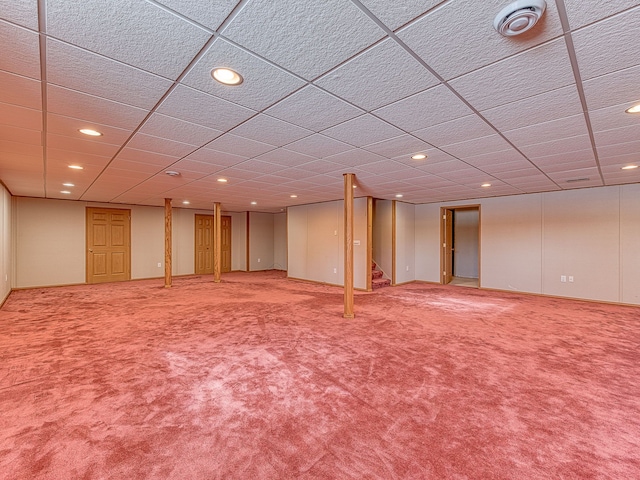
(518, 17)
(576, 180)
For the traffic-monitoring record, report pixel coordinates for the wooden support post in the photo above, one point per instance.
(217, 243)
(393, 242)
(348, 245)
(167, 242)
(369, 243)
(248, 245)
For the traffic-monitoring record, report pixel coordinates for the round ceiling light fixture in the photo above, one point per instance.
(172, 173)
(226, 76)
(419, 156)
(634, 109)
(518, 17)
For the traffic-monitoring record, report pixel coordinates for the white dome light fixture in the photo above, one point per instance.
(518, 17)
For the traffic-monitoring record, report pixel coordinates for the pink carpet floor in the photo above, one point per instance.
(260, 377)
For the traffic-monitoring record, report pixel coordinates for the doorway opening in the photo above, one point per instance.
(204, 244)
(108, 245)
(460, 240)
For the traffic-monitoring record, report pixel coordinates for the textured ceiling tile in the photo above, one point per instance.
(20, 135)
(237, 145)
(209, 14)
(582, 13)
(133, 32)
(129, 165)
(23, 12)
(197, 107)
(470, 148)
(545, 107)
(363, 130)
(20, 91)
(144, 156)
(67, 126)
(322, 166)
(380, 76)
(535, 71)
(577, 156)
(307, 38)
(215, 157)
(617, 135)
(404, 145)
(619, 149)
(549, 167)
(318, 146)
(613, 89)
(285, 157)
(313, 109)
(456, 31)
(548, 131)
(396, 14)
(353, 158)
(612, 117)
(270, 130)
(19, 50)
(263, 83)
(179, 130)
(87, 72)
(425, 109)
(564, 145)
(150, 143)
(80, 145)
(21, 117)
(595, 43)
(447, 133)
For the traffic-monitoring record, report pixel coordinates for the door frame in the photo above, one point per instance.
(446, 231)
(195, 239)
(88, 248)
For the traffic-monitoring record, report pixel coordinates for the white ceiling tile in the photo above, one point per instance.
(76, 69)
(548, 131)
(396, 14)
(595, 43)
(24, 12)
(80, 145)
(69, 127)
(448, 132)
(238, 145)
(379, 76)
(178, 130)
(363, 130)
(619, 149)
(18, 148)
(425, 109)
(263, 85)
(20, 117)
(285, 157)
(186, 164)
(617, 135)
(353, 158)
(564, 145)
(535, 71)
(612, 117)
(209, 14)
(578, 157)
(321, 166)
(141, 141)
(306, 38)
(131, 166)
(133, 32)
(313, 109)
(562, 177)
(21, 135)
(19, 50)
(270, 130)
(216, 157)
(404, 145)
(92, 109)
(144, 156)
(581, 13)
(202, 109)
(59, 160)
(19, 90)
(485, 160)
(457, 31)
(470, 148)
(613, 89)
(620, 160)
(560, 103)
(319, 146)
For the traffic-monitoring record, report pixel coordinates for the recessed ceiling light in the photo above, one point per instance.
(222, 180)
(226, 76)
(76, 167)
(172, 173)
(254, 203)
(630, 167)
(355, 186)
(68, 185)
(66, 192)
(90, 132)
(634, 109)
(485, 185)
(186, 202)
(293, 196)
(399, 195)
(419, 156)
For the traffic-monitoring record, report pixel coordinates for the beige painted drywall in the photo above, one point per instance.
(297, 240)
(427, 242)
(238, 240)
(5, 243)
(382, 236)
(405, 242)
(630, 243)
(260, 241)
(280, 241)
(466, 235)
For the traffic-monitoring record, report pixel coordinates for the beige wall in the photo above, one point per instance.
(280, 241)
(238, 240)
(382, 236)
(260, 241)
(5, 243)
(405, 242)
(528, 242)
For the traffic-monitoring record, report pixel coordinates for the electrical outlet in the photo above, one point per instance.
(258, 260)
(563, 278)
(335, 232)
(159, 265)
(335, 270)
(407, 268)
(571, 279)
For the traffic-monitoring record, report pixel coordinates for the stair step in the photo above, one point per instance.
(380, 283)
(376, 274)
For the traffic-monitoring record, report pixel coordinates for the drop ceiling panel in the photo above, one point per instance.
(319, 146)
(431, 107)
(80, 145)
(470, 148)
(92, 109)
(581, 13)
(313, 109)
(178, 130)
(578, 157)
(11, 147)
(19, 50)
(475, 43)
(396, 14)
(129, 165)
(363, 130)
(565, 145)
(322, 166)
(619, 149)
(21, 91)
(447, 133)
(535, 71)
(560, 103)
(595, 43)
(265, 85)
(238, 145)
(76, 69)
(613, 89)
(140, 141)
(209, 14)
(200, 108)
(20, 117)
(215, 157)
(306, 38)
(612, 117)
(284, 157)
(270, 130)
(404, 145)
(617, 135)
(379, 76)
(135, 33)
(69, 127)
(548, 131)
(24, 13)
(143, 156)
(20, 135)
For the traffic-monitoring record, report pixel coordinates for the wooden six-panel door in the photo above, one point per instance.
(204, 244)
(225, 244)
(108, 245)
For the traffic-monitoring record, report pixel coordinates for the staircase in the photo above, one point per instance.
(377, 280)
